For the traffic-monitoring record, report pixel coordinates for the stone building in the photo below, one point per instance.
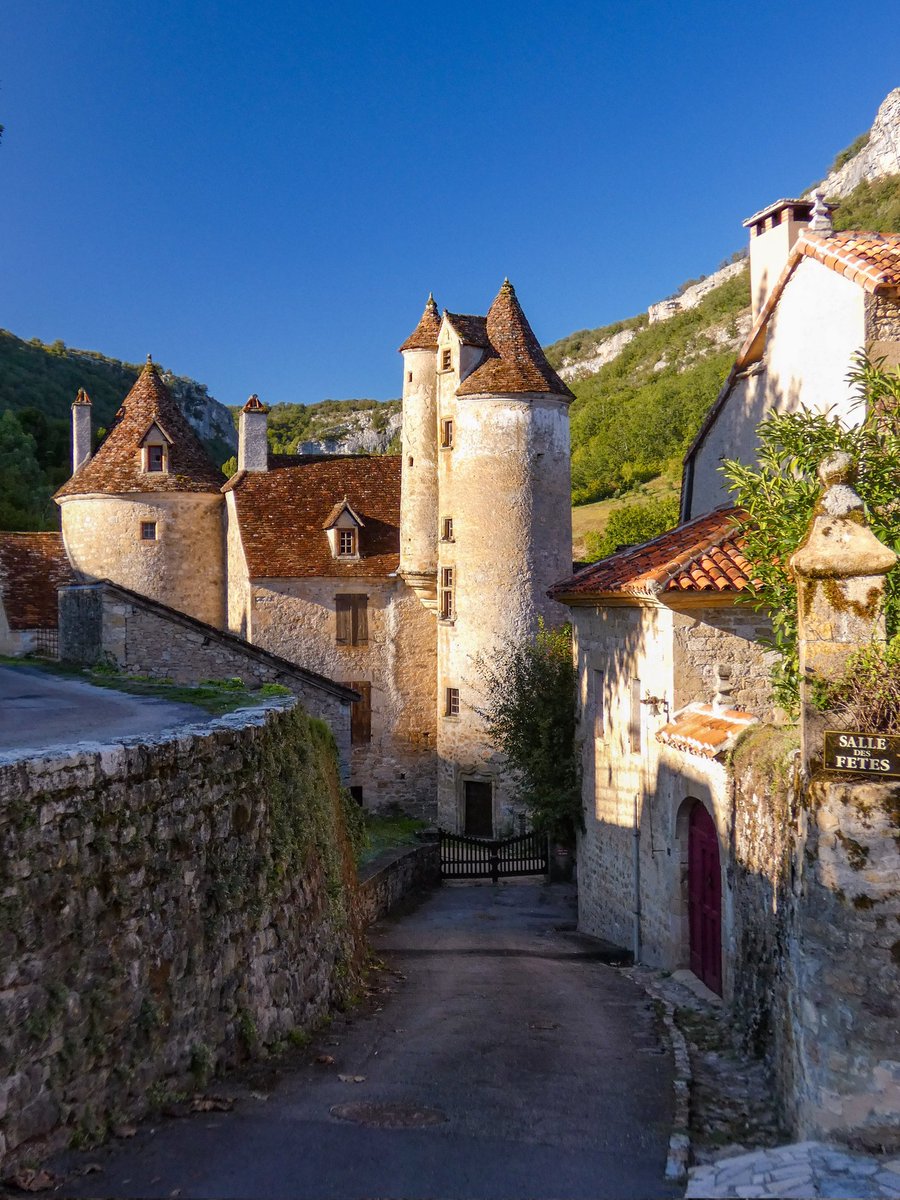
(670, 666)
(32, 567)
(392, 574)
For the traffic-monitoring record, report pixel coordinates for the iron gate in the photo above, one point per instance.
(465, 857)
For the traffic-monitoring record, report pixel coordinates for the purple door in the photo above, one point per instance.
(705, 899)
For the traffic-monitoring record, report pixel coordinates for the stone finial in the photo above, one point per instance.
(839, 543)
(724, 686)
(820, 219)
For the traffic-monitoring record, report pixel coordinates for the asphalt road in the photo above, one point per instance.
(39, 710)
(541, 1067)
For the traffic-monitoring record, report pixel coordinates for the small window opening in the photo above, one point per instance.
(409, 376)
(148, 531)
(447, 530)
(446, 598)
(357, 793)
(155, 458)
(599, 723)
(451, 702)
(410, 461)
(634, 722)
(346, 541)
(447, 432)
(446, 360)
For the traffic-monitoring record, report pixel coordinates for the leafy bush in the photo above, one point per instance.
(631, 525)
(871, 205)
(531, 718)
(850, 151)
(867, 696)
(780, 494)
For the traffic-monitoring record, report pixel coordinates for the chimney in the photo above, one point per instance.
(253, 445)
(773, 232)
(81, 430)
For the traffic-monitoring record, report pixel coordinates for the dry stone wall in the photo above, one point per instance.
(167, 907)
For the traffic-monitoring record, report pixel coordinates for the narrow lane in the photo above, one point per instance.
(540, 1066)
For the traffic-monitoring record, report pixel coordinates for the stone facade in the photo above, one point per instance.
(296, 619)
(181, 566)
(104, 623)
(169, 907)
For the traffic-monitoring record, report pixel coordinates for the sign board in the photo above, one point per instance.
(862, 753)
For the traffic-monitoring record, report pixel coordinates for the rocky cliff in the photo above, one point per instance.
(878, 156)
(372, 431)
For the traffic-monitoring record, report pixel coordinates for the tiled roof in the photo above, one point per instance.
(282, 511)
(32, 567)
(471, 330)
(784, 202)
(515, 361)
(425, 334)
(701, 729)
(704, 555)
(116, 467)
(870, 259)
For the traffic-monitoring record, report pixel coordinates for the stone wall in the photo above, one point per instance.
(166, 907)
(394, 876)
(105, 623)
(296, 619)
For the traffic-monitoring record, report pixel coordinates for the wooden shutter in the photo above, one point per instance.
(361, 714)
(344, 611)
(360, 620)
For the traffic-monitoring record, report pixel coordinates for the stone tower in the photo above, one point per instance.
(419, 480)
(503, 528)
(146, 511)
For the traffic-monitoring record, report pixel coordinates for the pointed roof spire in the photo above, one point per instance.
(254, 404)
(82, 398)
(515, 362)
(425, 334)
(116, 467)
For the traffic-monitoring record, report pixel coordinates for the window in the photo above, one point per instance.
(451, 702)
(634, 722)
(148, 531)
(599, 723)
(446, 360)
(447, 529)
(361, 714)
(447, 607)
(346, 541)
(446, 433)
(409, 376)
(156, 459)
(357, 794)
(352, 621)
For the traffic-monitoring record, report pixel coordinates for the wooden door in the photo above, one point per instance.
(705, 899)
(479, 809)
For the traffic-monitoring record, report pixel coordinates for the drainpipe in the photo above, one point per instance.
(636, 843)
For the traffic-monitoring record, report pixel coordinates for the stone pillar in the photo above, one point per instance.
(253, 445)
(840, 569)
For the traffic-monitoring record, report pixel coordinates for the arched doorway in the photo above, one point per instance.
(705, 899)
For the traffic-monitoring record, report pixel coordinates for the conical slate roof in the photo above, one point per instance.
(515, 361)
(116, 467)
(425, 334)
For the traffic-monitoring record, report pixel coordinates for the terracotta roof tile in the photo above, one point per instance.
(704, 555)
(116, 469)
(425, 334)
(701, 729)
(254, 404)
(32, 567)
(870, 259)
(282, 511)
(515, 361)
(82, 399)
(471, 330)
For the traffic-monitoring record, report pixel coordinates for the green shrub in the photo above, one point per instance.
(631, 525)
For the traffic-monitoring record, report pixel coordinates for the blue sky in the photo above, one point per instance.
(262, 195)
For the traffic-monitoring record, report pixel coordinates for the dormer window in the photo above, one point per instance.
(156, 458)
(342, 528)
(155, 447)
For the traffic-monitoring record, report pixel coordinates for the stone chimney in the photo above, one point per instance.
(773, 232)
(253, 445)
(81, 430)
(840, 568)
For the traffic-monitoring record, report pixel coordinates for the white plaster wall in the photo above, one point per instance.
(818, 325)
(184, 567)
(296, 619)
(238, 611)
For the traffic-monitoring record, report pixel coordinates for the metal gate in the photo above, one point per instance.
(465, 857)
